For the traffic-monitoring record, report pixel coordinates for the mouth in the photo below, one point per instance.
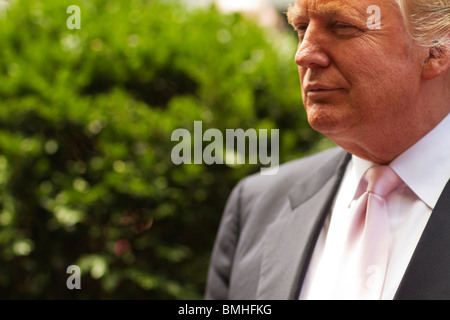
(320, 90)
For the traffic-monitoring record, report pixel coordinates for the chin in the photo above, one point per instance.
(328, 122)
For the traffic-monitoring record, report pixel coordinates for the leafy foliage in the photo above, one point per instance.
(86, 118)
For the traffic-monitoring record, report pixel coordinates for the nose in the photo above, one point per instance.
(311, 49)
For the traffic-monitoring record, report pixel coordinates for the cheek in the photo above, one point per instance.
(382, 59)
(377, 78)
(362, 66)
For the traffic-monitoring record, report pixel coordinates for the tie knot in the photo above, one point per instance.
(382, 180)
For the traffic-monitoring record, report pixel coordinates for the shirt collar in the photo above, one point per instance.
(425, 167)
(359, 168)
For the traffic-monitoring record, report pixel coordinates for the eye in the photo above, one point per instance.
(344, 29)
(301, 30)
(344, 26)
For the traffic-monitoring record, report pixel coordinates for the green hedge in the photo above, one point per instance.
(86, 118)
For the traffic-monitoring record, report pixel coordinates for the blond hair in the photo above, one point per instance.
(428, 23)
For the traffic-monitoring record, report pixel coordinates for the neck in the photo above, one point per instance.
(383, 140)
(382, 145)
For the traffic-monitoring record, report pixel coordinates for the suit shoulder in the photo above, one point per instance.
(291, 172)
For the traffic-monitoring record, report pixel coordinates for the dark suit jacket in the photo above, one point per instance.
(271, 224)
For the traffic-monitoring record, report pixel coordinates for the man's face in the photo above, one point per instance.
(357, 80)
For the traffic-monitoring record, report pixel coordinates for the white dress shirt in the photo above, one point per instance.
(425, 170)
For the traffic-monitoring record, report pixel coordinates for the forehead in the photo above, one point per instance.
(308, 8)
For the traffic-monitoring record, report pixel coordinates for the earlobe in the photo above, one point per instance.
(437, 63)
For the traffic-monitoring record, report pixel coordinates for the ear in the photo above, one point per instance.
(437, 63)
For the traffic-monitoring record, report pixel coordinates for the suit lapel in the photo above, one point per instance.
(289, 242)
(428, 273)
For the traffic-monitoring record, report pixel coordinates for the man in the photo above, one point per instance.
(375, 78)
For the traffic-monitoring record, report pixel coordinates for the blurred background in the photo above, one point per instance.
(86, 118)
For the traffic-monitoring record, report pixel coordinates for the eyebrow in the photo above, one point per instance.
(332, 8)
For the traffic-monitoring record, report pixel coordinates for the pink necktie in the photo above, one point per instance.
(366, 250)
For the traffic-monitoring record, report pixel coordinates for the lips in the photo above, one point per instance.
(319, 91)
(320, 87)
